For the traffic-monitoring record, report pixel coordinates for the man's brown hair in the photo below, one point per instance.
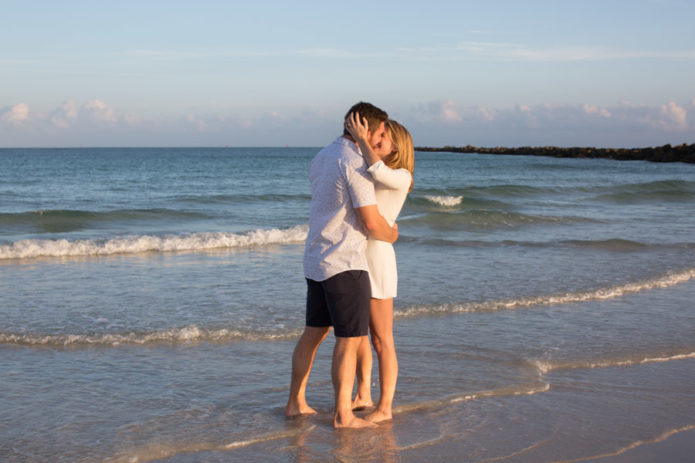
(374, 115)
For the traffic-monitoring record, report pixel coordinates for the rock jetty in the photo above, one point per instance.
(666, 153)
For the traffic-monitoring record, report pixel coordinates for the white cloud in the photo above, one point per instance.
(623, 125)
(522, 52)
(673, 117)
(595, 110)
(133, 119)
(449, 112)
(198, 124)
(669, 116)
(62, 116)
(438, 123)
(17, 114)
(100, 112)
(454, 51)
(486, 114)
(560, 54)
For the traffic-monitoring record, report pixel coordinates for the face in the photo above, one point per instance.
(384, 148)
(380, 141)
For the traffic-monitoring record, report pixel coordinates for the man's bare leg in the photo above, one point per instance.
(363, 399)
(343, 376)
(381, 327)
(302, 360)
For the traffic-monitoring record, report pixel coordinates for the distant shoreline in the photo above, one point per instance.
(665, 153)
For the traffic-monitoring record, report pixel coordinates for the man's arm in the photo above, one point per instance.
(375, 225)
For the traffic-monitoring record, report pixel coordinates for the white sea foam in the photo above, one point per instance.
(660, 438)
(546, 367)
(187, 334)
(612, 292)
(505, 391)
(154, 451)
(448, 201)
(25, 249)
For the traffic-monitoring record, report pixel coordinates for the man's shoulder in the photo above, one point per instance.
(342, 146)
(345, 152)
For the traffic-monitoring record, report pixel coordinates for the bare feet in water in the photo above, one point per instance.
(352, 423)
(360, 404)
(379, 416)
(293, 409)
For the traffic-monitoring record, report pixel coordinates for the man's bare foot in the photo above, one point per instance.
(352, 423)
(379, 416)
(360, 404)
(293, 409)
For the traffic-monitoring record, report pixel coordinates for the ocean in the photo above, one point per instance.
(150, 300)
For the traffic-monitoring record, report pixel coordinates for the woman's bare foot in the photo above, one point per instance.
(379, 416)
(352, 423)
(293, 409)
(360, 404)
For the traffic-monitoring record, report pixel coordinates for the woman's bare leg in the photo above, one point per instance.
(381, 328)
(363, 399)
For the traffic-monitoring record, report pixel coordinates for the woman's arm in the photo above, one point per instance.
(395, 179)
(390, 178)
(359, 131)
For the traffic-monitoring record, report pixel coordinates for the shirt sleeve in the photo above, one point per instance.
(395, 179)
(359, 185)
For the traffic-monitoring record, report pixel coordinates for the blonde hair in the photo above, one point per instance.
(403, 156)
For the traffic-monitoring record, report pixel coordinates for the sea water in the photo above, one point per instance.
(150, 300)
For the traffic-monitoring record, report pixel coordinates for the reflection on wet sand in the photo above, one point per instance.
(314, 442)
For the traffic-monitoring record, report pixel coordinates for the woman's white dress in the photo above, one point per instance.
(391, 187)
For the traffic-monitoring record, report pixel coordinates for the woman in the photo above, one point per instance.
(391, 165)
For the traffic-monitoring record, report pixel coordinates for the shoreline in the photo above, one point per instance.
(665, 153)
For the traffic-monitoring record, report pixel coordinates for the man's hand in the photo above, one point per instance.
(395, 228)
(375, 225)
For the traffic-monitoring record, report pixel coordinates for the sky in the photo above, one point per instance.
(608, 73)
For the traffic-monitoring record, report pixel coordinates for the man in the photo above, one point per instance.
(343, 213)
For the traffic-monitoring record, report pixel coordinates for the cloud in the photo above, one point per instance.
(449, 123)
(521, 52)
(434, 123)
(669, 116)
(673, 117)
(449, 112)
(595, 110)
(16, 115)
(329, 53)
(64, 114)
(133, 119)
(98, 111)
(458, 51)
(195, 122)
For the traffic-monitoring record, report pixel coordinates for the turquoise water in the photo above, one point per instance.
(150, 300)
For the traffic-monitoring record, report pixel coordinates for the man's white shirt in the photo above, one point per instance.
(339, 183)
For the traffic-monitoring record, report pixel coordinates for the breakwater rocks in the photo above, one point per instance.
(666, 153)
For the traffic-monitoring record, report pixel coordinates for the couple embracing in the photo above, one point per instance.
(358, 186)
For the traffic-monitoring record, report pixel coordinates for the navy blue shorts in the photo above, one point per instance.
(342, 301)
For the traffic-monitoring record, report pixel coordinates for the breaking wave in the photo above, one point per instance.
(154, 451)
(612, 292)
(546, 366)
(447, 201)
(194, 333)
(31, 248)
(505, 391)
(187, 334)
(660, 438)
